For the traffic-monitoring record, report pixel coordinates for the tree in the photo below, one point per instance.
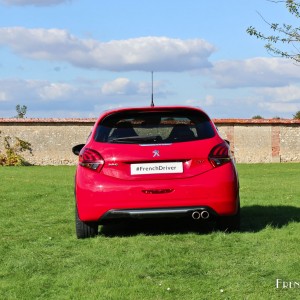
(297, 115)
(284, 42)
(21, 111)
(257, 117)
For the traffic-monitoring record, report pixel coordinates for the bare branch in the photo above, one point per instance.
(285, 34)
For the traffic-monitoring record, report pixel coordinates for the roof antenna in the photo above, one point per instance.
(152, 101)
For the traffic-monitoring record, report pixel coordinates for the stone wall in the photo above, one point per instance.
(252, 141)
(262, 141)
(51, 140)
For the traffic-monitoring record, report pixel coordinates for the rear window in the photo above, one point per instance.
(134, 127)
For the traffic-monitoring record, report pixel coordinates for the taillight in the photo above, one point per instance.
(220, 155)
(91, 159)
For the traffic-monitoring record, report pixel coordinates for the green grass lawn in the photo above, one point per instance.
(41, 258)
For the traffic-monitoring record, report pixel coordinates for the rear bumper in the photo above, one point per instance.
(154, 213)
(102, 198)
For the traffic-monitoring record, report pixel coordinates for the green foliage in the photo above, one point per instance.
(41, 258)
(11, 156)
(297, 115)
(21, 111)
(285, 35)
(257, 117)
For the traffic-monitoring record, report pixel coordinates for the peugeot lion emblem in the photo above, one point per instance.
(155, 153)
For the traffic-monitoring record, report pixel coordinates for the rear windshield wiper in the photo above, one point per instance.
(136, 139)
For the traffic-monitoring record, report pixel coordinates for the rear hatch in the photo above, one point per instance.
(155, 144)
(164, 161)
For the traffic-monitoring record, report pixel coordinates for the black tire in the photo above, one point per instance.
(230, 223)
(85, 229)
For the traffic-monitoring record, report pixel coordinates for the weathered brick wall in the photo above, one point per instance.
(252, 141)
(51, 140)
(290, 143)
(262, 141)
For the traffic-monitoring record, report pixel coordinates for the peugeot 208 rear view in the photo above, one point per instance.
(155, 162)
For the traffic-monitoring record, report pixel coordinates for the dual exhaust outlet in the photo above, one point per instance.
(204, 214)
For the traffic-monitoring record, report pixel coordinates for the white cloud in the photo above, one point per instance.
(288, 93)
(3, 96)
(125, 86)
(254, 72)
(33, 2)
(65, 99)
(281, 107)
(208, 100)
(119, 86)
(142, 54)
(55, 91)
(279, 99)
(42, 92)
(84, 98)
(32, 90)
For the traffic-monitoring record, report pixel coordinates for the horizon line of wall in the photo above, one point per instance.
(251, 140)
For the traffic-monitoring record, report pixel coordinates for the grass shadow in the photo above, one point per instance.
(253, 219)
(154, 227)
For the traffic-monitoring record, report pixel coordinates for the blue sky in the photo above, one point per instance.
(76, 58)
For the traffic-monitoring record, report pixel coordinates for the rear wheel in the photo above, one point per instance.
(85, 229)
(230, 223)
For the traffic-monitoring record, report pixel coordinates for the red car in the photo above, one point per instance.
(155, 162)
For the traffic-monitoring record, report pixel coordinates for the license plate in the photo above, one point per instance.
(156, 168)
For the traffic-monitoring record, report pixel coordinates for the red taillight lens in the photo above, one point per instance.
(220, 155)
(91, 159)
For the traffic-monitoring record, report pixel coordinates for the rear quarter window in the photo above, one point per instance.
(144, 127)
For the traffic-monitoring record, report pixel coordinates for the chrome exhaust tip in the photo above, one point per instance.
(205, 214)
(196, 215)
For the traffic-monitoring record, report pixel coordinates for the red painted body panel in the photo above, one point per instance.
(96, 194)
(113, 187)
(193, 155)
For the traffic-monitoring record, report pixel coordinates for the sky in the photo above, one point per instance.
(77, 58)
